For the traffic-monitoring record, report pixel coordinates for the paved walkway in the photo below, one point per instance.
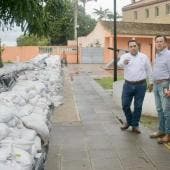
(95, 142)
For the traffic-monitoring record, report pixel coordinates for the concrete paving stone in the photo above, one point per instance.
(95, 132)
(105, 117)
(162, 167)
(106, 164)
(76, 165)
(99, 142)
(77, 147)
(54, 150)
(137, 163)
(68, 155)
(53, 163)
(102, 154)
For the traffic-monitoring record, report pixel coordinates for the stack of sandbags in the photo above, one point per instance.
(25, 112)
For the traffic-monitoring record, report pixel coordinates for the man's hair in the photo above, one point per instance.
(163, 36)
(133, 41)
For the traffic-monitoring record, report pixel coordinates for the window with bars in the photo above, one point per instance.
(167, 9)
(135, 15)
(147, 13)
(156, 11)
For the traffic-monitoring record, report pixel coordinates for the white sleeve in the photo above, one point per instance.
(121, 61)
(149, 70)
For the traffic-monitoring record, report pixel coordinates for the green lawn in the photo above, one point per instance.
(106, 82)
(149, 121)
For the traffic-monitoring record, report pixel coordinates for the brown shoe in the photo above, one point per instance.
(157, 135)
(165, 139)
(136, 130)
(124, 127)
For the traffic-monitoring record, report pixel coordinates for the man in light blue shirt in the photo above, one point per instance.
(161, 77)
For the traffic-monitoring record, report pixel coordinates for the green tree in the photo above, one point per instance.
(105, 14)
(101, 13)
(59, 19)
(28, 40)
(85, 22)
(110, 16)
(28, 14)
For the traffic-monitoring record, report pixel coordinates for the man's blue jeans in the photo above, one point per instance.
(162, 106)
(130, 92)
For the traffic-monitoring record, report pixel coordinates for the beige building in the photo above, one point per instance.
(147, 11)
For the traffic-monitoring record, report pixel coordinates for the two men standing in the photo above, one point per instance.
(137, 69)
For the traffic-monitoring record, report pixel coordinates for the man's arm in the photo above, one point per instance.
(149, 75)
(123, 61)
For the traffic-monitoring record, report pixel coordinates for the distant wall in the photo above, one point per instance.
(25, 53)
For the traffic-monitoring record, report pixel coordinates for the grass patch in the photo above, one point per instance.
(149, 121)
(107, 82)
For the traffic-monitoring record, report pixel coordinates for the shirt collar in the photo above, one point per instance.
(162, 52)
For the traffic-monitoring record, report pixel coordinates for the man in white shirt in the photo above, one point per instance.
(137, 69)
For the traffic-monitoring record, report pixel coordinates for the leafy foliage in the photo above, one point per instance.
(85, 22)
(33, 40)
(105, 14)
(28, 14)
(53, 19)
(59, 20)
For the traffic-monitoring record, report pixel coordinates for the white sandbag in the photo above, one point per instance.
(5, 151)
(53, 61)
(10, 166)
(36, 147)
(40, 111)
(12, 156)
(25, 110)
(37, 123)
(4, 131)
(32, 93)
(57, 100)
(5, 114)
(13, 122)
(28, 134)
(24, 133)
(33, 101)
(23, 158)
(25, 145)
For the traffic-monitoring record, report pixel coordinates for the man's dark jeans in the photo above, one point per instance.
(134, 92)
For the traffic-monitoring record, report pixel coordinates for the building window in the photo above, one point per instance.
(167, 9)
(156, 11)
(135, 15)
(147, 13)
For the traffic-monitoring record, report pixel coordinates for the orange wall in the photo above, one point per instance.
(25, 53)
(19, 53)
(146, 44)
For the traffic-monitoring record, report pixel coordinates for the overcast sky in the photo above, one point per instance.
(106, 4)
(8, 38)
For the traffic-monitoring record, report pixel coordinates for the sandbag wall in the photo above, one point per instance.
(25, 110)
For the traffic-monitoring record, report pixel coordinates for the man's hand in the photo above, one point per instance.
(126, 61)
(150, 87)
(167, 92)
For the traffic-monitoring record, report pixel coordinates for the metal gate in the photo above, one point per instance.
(92, 55)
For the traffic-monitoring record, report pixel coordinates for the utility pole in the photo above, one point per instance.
(115, 44)
(75, 18)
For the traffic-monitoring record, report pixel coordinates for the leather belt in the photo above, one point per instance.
(136, 82)
(161, 81)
